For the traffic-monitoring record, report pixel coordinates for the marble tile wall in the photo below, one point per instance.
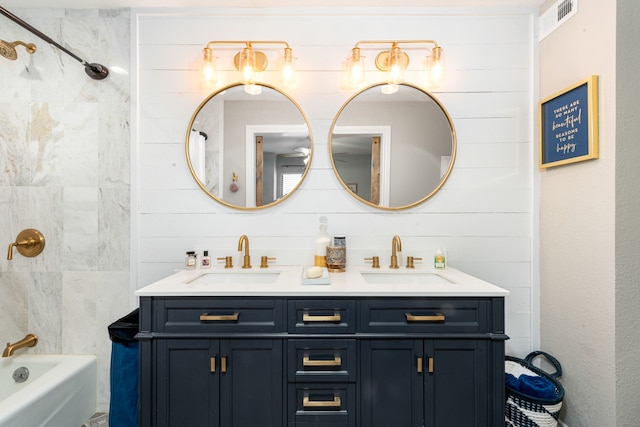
(64, 170)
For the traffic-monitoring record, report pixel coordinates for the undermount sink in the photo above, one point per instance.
(236, 278)
(405, 278)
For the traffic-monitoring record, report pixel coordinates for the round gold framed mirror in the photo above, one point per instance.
(249, 147)
(392, 146)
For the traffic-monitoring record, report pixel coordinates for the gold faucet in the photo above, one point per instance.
(29, 341)
(247, 259)
(396, 245)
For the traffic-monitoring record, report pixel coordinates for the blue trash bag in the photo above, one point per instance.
(123, 406)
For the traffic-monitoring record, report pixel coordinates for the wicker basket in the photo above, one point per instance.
(528, 411)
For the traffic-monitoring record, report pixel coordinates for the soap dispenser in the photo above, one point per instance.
(439, 259)
(321, 243)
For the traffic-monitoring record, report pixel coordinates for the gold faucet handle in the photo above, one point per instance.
(410, 261)
(264, 261)
(228, 261)
(375, 261)
(30, 243)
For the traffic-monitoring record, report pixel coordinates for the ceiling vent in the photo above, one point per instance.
(556, 15)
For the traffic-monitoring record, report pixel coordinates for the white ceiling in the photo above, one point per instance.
(105, 4)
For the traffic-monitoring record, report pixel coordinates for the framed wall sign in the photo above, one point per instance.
(568, 128)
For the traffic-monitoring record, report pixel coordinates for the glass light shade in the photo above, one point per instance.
(209, 71)
(355, 68)
(397, 66)
(288, 68)
(247, 66)
(434, 68)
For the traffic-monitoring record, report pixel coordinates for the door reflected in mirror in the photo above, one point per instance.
(249, 151)
(392, 150)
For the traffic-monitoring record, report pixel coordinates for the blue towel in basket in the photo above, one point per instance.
(532, 386)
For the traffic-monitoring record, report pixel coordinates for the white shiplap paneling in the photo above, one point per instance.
(483, 215)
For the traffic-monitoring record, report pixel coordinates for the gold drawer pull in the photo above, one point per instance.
(438, 317)
(306, 317)
(307, 403)
(206, 317)
(337, 361)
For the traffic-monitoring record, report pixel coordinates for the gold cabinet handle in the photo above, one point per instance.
(419, 365)
(438, 317)
(213, 364)
(337, 361)
(223, 364)
(430, 363)
(306, 317)
(308, 403)
(206, 317)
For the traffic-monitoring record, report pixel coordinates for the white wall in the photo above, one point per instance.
(484, 214)
(627, 213)
(577, 226)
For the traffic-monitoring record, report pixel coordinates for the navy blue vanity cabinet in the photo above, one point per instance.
(322, 361)
(212, 362)
(432, 362)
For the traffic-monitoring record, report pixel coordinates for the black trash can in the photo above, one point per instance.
(123, 406)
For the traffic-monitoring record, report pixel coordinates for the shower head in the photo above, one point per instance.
(8, 50)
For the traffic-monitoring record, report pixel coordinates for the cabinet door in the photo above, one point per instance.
(186, 387)
(251, 383)
(391, 389)
(457, 385)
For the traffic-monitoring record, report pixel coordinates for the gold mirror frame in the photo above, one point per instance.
(430, 193)
(221, 200)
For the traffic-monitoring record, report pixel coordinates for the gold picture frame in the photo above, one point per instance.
(568, 125)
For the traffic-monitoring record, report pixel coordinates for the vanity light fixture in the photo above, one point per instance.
(395, 62)
(248, 62)
(93, 70)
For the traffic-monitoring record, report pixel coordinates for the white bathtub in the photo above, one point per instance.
(60, 391)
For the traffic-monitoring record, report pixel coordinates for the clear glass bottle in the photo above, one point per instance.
(321, 243)
(205, 261)
(190, 261)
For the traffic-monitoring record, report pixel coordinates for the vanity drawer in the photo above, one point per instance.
(220, 315)
(322, 316)
(322, 360)
(330, 405)
(424, 315)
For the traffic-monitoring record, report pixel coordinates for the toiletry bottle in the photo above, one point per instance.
(205, 261)
(321, 243)
(439, 260)
(190, 262)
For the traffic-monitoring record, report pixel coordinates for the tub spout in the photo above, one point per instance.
(29, 341)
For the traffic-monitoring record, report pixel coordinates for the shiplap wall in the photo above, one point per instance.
(483, 216)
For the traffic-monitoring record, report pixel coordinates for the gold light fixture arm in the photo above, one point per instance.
(30, 243)
(395, 61)
(261, 58)
(382, 61)
(248, 61)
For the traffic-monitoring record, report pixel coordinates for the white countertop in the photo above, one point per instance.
(286, 281)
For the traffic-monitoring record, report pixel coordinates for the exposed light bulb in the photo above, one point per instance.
(288, 67)
(209, 73)
(356, 67)
(397, 65)
(248, 66)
